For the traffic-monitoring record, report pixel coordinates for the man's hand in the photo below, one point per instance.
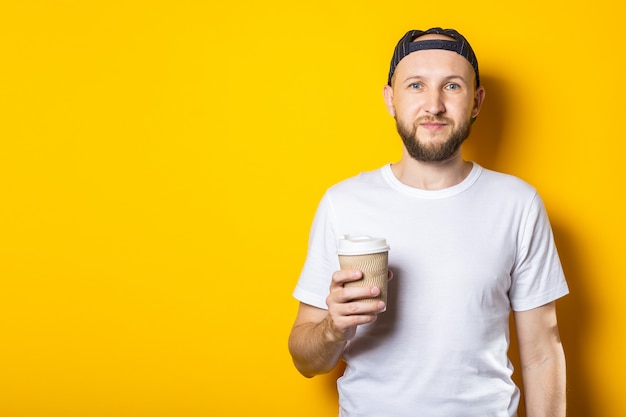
(345, 311)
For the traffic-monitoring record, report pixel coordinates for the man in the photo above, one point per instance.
(468, 245)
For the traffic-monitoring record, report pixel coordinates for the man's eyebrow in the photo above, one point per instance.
(457, 78)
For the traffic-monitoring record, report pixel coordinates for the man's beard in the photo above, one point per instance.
(433, 152)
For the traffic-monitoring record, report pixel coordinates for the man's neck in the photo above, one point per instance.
(431, 175)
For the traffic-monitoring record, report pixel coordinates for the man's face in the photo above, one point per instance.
(433, 99)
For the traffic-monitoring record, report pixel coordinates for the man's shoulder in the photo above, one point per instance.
(506, 182)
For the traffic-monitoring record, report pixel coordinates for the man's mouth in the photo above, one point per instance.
(433, 125)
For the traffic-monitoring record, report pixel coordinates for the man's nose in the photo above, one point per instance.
(434, 102)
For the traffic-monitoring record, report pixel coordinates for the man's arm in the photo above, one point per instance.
(314, 348)
(318, 336)
(542, 360)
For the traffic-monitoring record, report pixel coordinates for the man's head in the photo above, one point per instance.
(410, 43)
(434, 93)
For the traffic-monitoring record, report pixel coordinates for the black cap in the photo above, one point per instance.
(460, 45)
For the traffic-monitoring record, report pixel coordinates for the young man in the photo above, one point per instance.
(468, 245)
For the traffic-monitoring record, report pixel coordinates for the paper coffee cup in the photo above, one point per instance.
(370, 256)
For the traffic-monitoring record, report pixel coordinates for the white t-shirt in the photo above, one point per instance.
(462, 258)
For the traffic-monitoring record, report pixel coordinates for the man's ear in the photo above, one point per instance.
(388, 95)
(479, 97)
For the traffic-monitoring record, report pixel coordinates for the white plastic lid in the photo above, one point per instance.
(361, 245)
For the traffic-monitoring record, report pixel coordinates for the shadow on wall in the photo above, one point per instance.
(485, 141)
(331, 384)
(575, 319)
(484, 147)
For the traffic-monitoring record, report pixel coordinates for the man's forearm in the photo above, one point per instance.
(314, 348)
(545, 386)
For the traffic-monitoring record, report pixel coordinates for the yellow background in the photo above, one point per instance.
(161, 161)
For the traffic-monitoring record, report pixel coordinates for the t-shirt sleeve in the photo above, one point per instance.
(321, 261)
(537, 276)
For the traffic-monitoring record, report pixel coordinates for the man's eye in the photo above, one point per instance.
(415, 86)
(453, 86)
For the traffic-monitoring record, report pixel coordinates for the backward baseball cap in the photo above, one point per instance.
(460, 45)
